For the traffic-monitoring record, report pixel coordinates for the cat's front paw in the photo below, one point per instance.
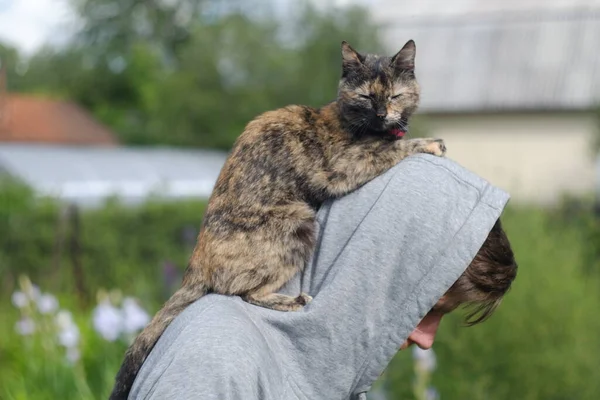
(437, 147)
(303, 299)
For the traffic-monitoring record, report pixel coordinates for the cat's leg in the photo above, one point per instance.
(273, 275)
(276, 301)
(256, 266)
(258, 285)
(363, 161)
(405, 148)
(289, 250)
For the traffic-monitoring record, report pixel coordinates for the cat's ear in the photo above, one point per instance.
(405, 58)
(350, 57)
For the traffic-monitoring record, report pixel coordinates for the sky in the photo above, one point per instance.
(28, 24)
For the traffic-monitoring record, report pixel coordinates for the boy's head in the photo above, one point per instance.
(481, 287)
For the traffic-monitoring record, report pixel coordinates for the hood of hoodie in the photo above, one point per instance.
(386, 254)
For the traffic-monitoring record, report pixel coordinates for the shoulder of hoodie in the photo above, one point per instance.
(217, 325)
(212, 347)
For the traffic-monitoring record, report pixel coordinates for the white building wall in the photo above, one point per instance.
(535, 157)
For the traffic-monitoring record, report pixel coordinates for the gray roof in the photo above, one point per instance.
(88, 175)
(520, 60)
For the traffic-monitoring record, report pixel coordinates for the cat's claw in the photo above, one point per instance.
(303, 299)
(437, 147)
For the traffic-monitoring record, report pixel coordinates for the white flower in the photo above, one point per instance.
(108, 321)
(19, 299)
(73, 354)
(69, 336)
(25, 326)
(64, 319)
(47, 303)
(425, 359)
(135, 318)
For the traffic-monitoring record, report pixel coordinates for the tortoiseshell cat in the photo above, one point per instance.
(258, 230)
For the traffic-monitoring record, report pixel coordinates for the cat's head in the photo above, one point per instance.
(378, 94)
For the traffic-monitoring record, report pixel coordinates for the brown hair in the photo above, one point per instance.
(487, 279)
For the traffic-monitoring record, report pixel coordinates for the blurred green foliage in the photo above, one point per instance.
(131, 248)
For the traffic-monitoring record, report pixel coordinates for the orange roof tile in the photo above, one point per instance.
(31, 119)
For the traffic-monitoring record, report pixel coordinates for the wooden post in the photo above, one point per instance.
(75, 254)
(3, 98)
(62, 223)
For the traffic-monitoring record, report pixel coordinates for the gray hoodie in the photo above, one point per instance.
(385, 255)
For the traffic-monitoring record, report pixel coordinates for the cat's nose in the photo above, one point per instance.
(381, 114)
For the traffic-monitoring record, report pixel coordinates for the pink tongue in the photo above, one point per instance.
(397, 132)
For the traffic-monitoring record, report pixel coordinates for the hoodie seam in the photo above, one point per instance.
(454, 175)
(295, 388)
(481, 192)
(286, 374)
(316, 251)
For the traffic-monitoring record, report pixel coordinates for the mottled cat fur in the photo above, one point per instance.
(258, 230)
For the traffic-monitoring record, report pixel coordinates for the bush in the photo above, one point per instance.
(138, 249)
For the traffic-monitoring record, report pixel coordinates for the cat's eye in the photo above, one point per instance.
(365, 96)
(394, 97)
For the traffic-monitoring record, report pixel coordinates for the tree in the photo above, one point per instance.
(10, 64)
(194, 73)
(233, 69)
(115, 27)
